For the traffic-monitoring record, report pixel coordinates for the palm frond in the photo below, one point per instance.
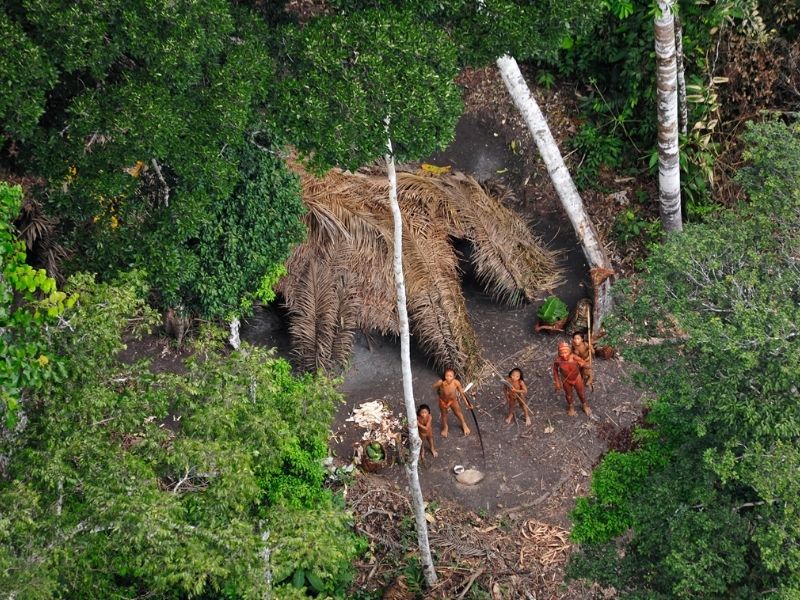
(38, 231)
(313, 317)
(344, 328)
(509, 261)
(436, 306)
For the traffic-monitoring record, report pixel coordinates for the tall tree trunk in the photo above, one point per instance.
(669, 172)
(683, 113)
(233, 336)
(562, 181)
(426, 560)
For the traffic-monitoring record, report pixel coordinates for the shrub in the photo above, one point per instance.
(715, 515)
(29, 301)
(127, 482)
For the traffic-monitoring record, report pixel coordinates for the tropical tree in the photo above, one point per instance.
(669, 170)
(483, 30)
(617, 64)
(377, 79)
(126, 482)
(707, 503)
(142, 119)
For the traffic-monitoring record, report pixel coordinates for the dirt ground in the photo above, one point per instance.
(532, 474)
(554, 456)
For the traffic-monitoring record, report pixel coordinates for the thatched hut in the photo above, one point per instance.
(341, 280)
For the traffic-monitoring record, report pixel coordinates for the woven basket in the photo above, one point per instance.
(605, 352)
(369, 465)
(556, 327)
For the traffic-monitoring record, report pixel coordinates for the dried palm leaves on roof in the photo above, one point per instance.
(341, 279)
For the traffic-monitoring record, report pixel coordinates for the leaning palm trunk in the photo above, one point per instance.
(669, 174)
(595, 253)
(426, 560)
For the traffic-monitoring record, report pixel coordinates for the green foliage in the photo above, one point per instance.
(552, 309)
(618, 60)
(233, 249)
(621, 9)
(27, 76)
(598, 150)
(343, 76)
(629, 225)
(126, 482)
(699, 149)
(615, 483)
(414, 576)
(525, 30)
(311, 552)
(242, 245)
(486, 30)
(717, 514)
(29, 300)
(545, 79)
(146, 142)
(265, 292)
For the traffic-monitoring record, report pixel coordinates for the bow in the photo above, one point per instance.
(474, 418)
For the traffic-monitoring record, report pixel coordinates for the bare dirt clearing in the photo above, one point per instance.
(532, 474)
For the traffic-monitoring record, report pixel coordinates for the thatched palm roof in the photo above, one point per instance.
(340, 280)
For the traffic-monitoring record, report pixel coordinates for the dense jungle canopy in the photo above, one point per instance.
(147, 164)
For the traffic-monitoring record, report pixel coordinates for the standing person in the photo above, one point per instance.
(583, 350)
(515, 392)
(425, 426)
(567, 373)
(448, 388)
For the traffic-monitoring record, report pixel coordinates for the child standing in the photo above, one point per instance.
(515, 392)
(583, 350)
(448, 387)
(425, 427)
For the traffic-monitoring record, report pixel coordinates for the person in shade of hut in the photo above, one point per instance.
(567, 374)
